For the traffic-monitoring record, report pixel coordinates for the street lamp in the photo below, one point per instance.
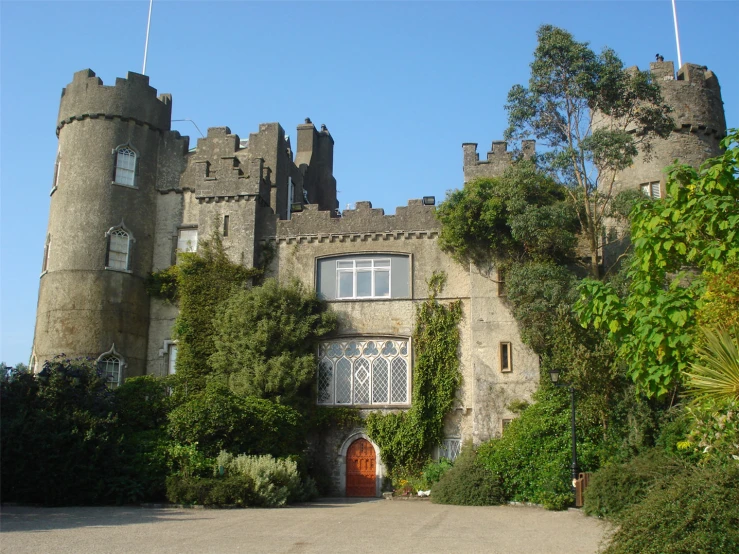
(554, 376)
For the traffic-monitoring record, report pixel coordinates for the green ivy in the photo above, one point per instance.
(406, 439)
(200, 283)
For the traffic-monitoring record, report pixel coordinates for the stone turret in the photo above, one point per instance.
(694, 95)
(92, 294)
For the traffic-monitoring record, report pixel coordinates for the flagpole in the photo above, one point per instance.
(677, 35)
(148, 26)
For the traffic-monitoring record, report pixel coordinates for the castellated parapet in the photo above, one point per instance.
(362, 223)
(498, 159)
(131, 99)
(694, 95)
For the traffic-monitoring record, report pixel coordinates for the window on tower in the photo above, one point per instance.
(118, 255)
(110, 365)
(125, 166)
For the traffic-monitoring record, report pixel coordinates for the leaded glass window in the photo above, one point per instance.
(364, 372)
(119, 243)
(125, 166)
(450, 448)
(110, 366)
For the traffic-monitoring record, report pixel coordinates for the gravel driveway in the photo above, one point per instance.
(336, 525)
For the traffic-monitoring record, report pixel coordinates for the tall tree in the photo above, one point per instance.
(592, 115)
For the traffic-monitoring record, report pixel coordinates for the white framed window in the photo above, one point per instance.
(47, 250)
(450, 448)
(506, 363)
(652, 190)
(172, 358)
(118, 255)
(187, 240)
(125, 166)
(363, 278)
(111, 364)
(364, 372)
(57, 165)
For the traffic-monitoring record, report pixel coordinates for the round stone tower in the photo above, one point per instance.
(698, 111)
(100, 239)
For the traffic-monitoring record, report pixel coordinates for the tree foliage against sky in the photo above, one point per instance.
(521, 214)
(584, 108)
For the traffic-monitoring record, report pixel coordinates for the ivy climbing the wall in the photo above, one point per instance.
(406, 439)
(200, 282)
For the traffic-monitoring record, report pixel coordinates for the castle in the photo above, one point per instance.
(128, 194)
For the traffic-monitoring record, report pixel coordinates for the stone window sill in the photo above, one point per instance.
(125, 185)
(108, 268)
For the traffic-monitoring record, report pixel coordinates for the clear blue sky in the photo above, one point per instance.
(400, 86)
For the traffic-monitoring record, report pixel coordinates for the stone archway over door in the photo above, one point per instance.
(360, 469)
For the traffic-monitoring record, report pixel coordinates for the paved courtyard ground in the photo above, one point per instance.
(328, 526)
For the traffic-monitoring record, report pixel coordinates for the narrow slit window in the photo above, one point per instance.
(47, 250)
(171, 359)
(225, 225)
(505, 357)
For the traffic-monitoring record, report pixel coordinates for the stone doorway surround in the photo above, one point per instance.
(380, 471)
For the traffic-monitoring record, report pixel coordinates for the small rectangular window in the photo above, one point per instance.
(187, 240)
(652, 190)
(505, 357)
(225, 225)
(505, 422)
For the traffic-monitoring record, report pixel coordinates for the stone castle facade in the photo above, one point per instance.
(129, 193)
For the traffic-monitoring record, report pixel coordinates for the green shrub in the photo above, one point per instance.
(692, 512)
(468, 484)
(276, 481)
(617, 487)
(533, 457)
(59, 440)
(217, 419)
(222, 491)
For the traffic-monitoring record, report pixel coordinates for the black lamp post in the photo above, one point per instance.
(554, 375)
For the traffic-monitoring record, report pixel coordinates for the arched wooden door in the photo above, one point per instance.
(360, 469)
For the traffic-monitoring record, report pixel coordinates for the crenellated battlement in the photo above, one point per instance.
(363, 222)
(130, 99)
(499, 158)
(695, 96)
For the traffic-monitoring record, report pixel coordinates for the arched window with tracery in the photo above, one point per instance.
(126, 159)
(118, 255)
(110, 364)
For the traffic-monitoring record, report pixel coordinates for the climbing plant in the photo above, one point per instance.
(406, 439)
(200, 282)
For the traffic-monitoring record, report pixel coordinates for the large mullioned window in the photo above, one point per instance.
(364, 278)
(364, 372)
